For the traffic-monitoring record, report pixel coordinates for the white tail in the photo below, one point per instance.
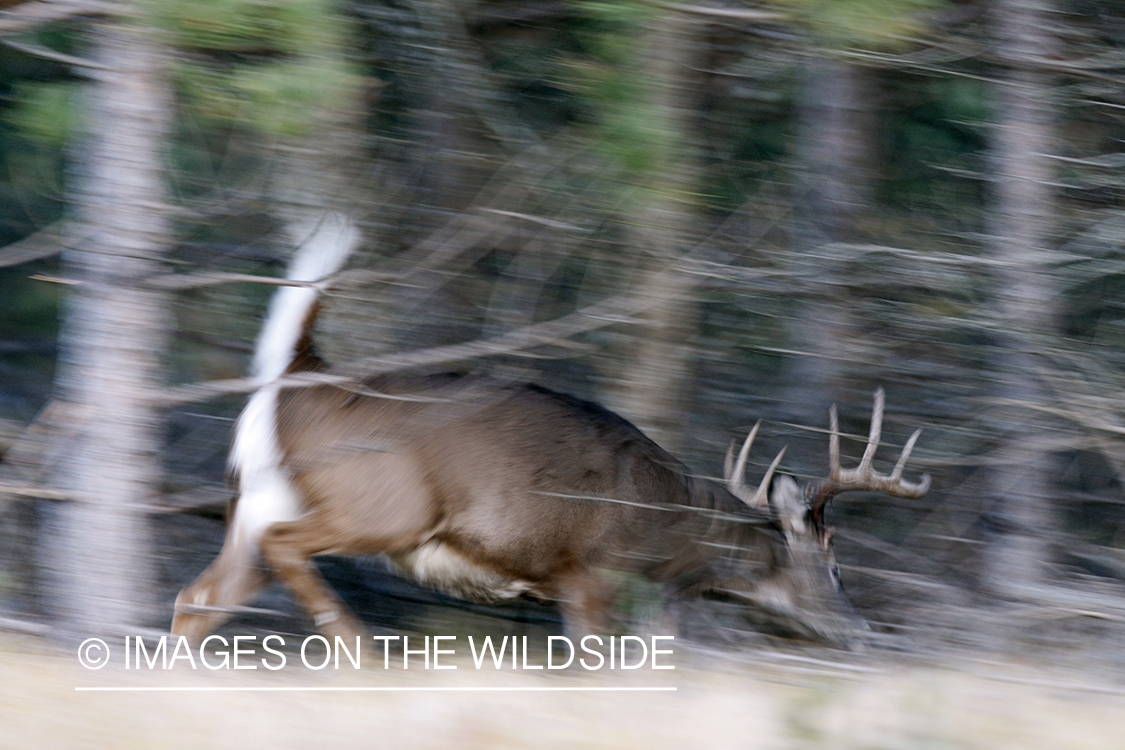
(493, 491)
(323, 247)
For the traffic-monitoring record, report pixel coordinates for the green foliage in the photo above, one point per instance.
(866, 24)
(291, 27)
(45, 113)
(614, 25)
(638, 140)
(627, 128)
(284, 97)
(275, 66)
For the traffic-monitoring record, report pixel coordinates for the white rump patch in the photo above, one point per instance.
(266, 492)
(437, 565)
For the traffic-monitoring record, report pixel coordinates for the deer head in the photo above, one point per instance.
(803, 592)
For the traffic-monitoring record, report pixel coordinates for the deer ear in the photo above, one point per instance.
(788, 506)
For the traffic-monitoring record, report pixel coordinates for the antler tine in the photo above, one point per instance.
(833, 445)
(734, 471)
(910, 489)
(906, 451)
(864, 476)
(865, 470)
(875, 433)
(763, 488)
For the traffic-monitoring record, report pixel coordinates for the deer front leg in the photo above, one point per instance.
(585, 599)
(288, 547)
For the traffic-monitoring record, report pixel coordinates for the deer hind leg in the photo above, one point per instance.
(375, 502)
(288, 547)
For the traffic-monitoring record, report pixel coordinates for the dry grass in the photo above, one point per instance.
(723, 701)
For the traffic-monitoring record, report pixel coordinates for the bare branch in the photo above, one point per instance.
(42, 244)
(31, 15)
(187, 394)
(532, 219)
(180, 282)
(605, 313)
(39, 493)
(730, 14)
(47, 54)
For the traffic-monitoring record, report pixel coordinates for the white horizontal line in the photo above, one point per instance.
(291, 689)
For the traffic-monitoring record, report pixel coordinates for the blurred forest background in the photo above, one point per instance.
(698, 214)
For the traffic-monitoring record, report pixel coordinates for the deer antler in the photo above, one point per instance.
(733, 472)
(864, 476)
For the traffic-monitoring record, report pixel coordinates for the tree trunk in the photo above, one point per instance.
(1022, 219)
(833, 157)
(98, 549)
(653, 389)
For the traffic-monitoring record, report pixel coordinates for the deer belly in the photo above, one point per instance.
(439, 566)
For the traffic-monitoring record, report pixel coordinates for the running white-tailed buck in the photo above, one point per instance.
(494, 491)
